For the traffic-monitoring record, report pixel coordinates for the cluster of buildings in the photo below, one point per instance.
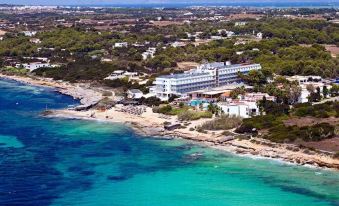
(245, 106)
(119, 74)
(35, 65)
(31, 63)
(307, 82)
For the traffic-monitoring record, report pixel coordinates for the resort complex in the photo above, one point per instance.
(207, 75)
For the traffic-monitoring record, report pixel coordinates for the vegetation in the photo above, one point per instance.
(13, 71)
(336, 155)
(279, 52)
(279, 132)
(169, 110)
(184, 113)
(105, 103)
(237, 91)
(274, 108)
(150, 101)
(193, 115)
(223, 122)
(81, 70)
(325, 110)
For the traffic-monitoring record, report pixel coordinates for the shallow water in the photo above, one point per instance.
(71, 162)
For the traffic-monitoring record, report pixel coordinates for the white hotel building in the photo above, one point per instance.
(204, 76)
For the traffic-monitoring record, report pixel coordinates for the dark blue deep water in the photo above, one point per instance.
(71, 162)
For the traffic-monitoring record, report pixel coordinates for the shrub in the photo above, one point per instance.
(281, 133)
(150, 101)
(259, 122)
(165, 109)
(336, 155)
(227, 133)
(245, 128)
(201, 131)
(191, 115)
(320, 110)
(181, 105)
(107, 93)
(105, 103)
(223, 122)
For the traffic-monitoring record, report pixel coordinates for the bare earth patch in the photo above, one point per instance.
(309, 121)
(333, 49)
(166, 23)
(2, 32)
(240, 16)
(187, 65)
(329, 145)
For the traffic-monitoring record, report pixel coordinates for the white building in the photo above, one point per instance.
(178, 44)
(29, 33)
(195, 35)
(244, 109)
(259, 35)
(304, 79)
(305, 93)
(119, 74)
(149, 53)
(134, 94)
(188, 14)
(304, 82)
(120, 45)
(257, 96)
(240, 23)
(217, 37)
(204, 76)
(34, 65)
(35, 40)
(228, 33)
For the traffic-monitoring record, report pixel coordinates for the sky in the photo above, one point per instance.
(105, 2)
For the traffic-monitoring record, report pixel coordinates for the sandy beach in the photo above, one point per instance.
(152, 124)
(80, 91)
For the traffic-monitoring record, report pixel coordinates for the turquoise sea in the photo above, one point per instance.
(81, 163)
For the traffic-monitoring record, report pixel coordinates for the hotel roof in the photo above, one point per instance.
(184, 75)
(195, 73)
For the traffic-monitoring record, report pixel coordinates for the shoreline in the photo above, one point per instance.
(151, 124)
(80, 91)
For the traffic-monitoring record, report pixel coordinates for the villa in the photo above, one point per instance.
(243, 109)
